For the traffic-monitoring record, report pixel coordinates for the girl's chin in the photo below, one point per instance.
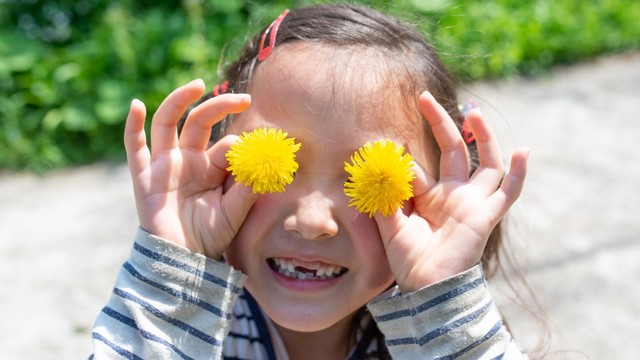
(308, 322)
(305, 315)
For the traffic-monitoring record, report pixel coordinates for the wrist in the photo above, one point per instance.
(431, 277)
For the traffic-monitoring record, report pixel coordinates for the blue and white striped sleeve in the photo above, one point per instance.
(455, 318)
(168, 302)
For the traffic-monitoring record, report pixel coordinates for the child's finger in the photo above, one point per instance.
(197, 128)
(135, 139)
(490, 169)
(453, 160)
(235, 205)
(511, 187)
(389, 226)
(164, 134)
(423, 181)
(216, 155)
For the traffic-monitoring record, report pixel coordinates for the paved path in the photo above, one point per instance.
(577, 227)
(578, 224)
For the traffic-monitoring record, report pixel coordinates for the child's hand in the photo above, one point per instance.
(178, 185)
(453, 217)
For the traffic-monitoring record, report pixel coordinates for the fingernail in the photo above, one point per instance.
(240, 97)
(428, 94)
(196, 81)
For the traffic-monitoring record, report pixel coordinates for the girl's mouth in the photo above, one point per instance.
(305, 270)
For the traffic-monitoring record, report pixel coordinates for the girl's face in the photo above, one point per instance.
(311, 261)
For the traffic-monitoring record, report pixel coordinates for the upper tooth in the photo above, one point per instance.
(289, 268)
(330, 270)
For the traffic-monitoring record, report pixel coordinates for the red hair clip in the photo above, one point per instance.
(220, 88)
(467, 134)
(272, 31)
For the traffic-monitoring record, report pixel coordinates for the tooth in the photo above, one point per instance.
(330, 270)
(290, 266)
(320, 271)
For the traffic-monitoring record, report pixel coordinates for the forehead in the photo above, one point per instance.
(342, 96)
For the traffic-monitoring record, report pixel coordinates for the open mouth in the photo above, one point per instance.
(314, 270)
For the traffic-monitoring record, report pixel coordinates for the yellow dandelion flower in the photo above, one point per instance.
(380, 178)
(264, 159)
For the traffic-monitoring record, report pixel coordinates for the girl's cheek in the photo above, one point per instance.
(365, 234)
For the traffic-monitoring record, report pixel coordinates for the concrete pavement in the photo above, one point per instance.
(576, 228)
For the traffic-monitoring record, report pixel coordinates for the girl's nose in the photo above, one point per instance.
(313, 217)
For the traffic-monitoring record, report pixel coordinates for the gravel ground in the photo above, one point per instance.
(576, 228)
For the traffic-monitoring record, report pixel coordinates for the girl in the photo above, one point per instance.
(217, 270)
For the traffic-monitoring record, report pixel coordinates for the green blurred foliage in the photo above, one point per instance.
(483, 39)
(69, 69)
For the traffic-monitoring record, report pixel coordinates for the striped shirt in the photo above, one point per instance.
(170, 303)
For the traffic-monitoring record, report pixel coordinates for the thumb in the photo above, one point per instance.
(236, 204)
(390, 226)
